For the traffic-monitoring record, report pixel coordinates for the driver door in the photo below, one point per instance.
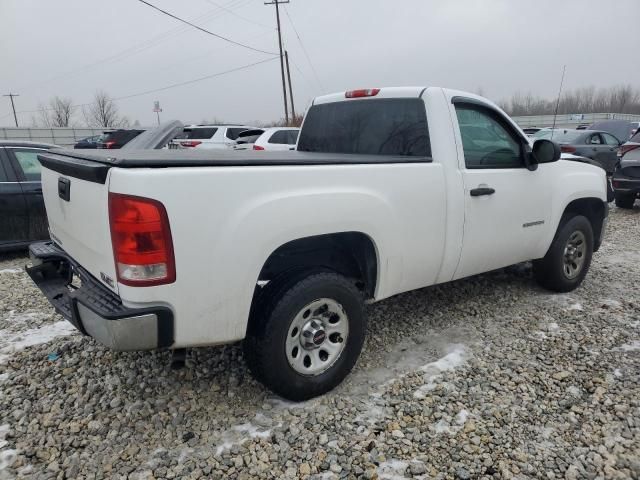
(507, 207)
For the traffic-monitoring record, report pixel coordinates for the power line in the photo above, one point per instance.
(167, 87)
(139, 48)
(306, 54)
(205, 30)
(239, 16)
(196, 79)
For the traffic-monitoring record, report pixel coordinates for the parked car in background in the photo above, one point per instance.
(209, 136)
(156, 138)
(531, 130)
(89, 142)
(117, 138)
(247, 138)
(597, 145)
(22, 214)
(284, 249)
(626, 178)
(277, 138)
(621, 129)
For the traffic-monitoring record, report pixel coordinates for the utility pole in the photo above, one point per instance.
(11, 95)
(284, 87)
(293, 109)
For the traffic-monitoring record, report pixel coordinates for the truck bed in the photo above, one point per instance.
(94, 166)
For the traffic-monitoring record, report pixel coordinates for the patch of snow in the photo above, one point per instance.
(7, 457)
(239, 434)
(442, 427)
(392, 470)
(11, 270)
(462, 416)
(575, 306)
(541, 335)
(617, 373)
(252, 430)
(553, 327)
(14, 342)
(629, 347)
(456, 356)
(3, 377)
(611, 303)
(573, 390)
(635, 324)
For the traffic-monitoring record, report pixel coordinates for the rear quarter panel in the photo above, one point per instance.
(226, 221)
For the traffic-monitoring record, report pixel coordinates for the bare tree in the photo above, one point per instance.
(103, 112)
(617, 99)
(57, 114)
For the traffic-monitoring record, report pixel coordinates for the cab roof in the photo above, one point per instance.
(386, 92)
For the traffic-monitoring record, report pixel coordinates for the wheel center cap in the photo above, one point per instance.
(319, 337)
(313, 334)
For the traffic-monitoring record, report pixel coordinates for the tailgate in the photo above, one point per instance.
(76, 193)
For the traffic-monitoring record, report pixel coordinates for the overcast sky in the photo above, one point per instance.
(72, 48)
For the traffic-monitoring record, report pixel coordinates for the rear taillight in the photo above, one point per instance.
(258, 147)
(141, 238)
(110, 144)
(627, 148)
(363, 92)
(567, 149)
(190, 143)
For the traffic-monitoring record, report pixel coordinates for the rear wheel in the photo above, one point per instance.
(625, 200)
(567, 261)
(306, 334)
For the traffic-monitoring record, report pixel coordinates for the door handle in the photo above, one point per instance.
(477, 192)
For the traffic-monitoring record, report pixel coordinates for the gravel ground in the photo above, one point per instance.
(489, 377)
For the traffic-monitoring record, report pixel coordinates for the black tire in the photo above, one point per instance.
(264, 345)
(550, 270)
(625, 200)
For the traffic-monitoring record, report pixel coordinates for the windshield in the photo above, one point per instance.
(396, 126)
(559, 135)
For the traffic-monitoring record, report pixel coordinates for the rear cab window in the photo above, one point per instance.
(384, 126)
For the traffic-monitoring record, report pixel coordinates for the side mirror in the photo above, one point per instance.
(545, 151)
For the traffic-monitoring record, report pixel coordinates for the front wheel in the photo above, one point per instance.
(306, 335)
(625, 200)
(567, 261)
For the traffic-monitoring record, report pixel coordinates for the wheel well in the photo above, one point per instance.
(351, 254)
(594, 210)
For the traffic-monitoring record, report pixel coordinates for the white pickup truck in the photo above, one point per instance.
(390, 190)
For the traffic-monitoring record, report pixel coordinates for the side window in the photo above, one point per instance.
(487, 141)
(3, 173)
(28, 164)
(610, 139)
(281, 137)
(595, 139)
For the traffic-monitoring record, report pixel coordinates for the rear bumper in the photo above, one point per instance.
(92, 308)
(625, 185)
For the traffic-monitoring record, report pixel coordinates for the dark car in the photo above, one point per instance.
(117, 138)
(621, 129)
(89, 142)
(22, 215)
(597, 145)
(626, 178)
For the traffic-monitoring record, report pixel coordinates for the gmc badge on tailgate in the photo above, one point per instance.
(64, 188)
